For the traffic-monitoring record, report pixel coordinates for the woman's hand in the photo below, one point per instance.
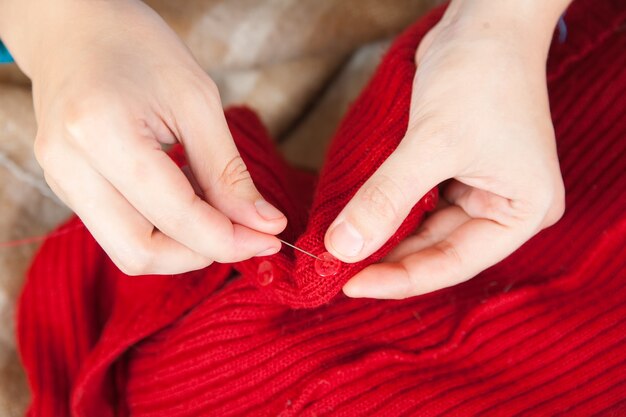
(480, 117)
(111, 83)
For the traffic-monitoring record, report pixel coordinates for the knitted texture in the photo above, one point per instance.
(541, 333)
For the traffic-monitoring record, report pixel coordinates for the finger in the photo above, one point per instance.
(473, 247)
(548, 202)
(125, 235)
(384, 201)
(158, 189)
(220, 170)
(438, 226)
(479, 203)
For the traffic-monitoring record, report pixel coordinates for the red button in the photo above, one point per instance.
(265, 273)
(327, 265)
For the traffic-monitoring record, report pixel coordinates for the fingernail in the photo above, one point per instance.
(269, 251)
(346, 240)
(267, 211)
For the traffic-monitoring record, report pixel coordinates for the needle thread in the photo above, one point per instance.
(35, 239)
(301, 250)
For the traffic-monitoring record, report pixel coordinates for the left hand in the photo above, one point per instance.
(480, 117)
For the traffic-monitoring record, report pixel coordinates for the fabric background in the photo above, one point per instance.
(298, 63)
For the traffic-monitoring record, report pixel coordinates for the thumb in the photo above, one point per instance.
(221, 173)
(380, 206)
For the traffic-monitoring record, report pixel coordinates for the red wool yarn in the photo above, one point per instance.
(541, 333)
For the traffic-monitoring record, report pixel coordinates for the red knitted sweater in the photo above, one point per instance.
(541, 333)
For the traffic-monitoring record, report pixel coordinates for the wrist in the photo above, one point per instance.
(23, 25)
(528, 24)
(34, 31)
(30, 29)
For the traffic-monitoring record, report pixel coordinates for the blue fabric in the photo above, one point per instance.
(5, 55)
(562, 29)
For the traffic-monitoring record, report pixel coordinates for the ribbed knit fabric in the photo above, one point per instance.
(541, 333)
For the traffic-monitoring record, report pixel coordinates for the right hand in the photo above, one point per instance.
(111, 83)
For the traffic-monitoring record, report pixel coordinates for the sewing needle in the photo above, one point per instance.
(301, 250)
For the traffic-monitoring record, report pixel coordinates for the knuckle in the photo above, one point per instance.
(49, 155)
(225, 258)
(56, 189)
(231, 247)
(382, 198)
(491, 206)
(426, 234)
(433, 132)
(557, 208)
(126, 270)
(170, 219)
(436, 138)
(50, 181)
(235, 173)
(85, 115)
(524, 209)
(452, 260)
(546, 206)
(205, 93)
(211, 90)
(413, 280)
(77, 114)
(42, 150)
(226, 253)
(135, 260)
(139, 169)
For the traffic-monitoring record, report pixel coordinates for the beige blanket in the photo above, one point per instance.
(298, 63)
